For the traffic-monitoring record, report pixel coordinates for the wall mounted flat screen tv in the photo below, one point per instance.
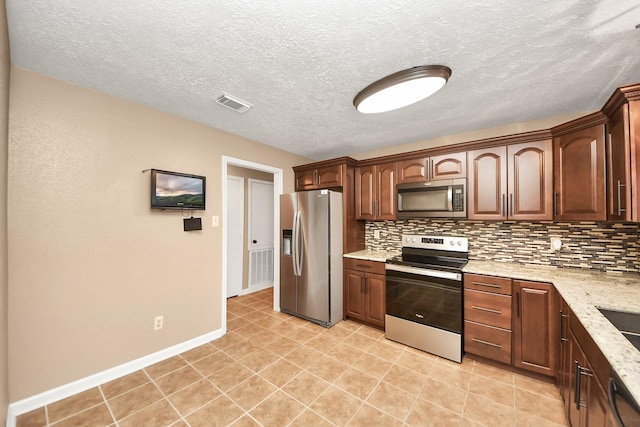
(175, 190)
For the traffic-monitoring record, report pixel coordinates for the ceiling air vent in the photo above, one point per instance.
(232, 102)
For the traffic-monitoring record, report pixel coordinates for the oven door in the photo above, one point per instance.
(429, 297)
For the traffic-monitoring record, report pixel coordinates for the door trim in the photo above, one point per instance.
(277, 191)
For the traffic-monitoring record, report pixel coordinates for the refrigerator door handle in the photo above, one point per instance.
(294, 243)
(299, 244)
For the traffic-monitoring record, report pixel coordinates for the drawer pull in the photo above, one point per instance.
(487, 343)
(490, 310)
(420, 316)
(488, 285)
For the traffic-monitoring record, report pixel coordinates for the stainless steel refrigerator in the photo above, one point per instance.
(311, 255)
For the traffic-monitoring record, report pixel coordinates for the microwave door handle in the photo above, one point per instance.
(450, 198)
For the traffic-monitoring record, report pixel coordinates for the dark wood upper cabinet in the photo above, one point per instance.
(445, 166)
(376, 192)
(320, 177)
(623, 154)
(530, 180)
(386, 181)
(512, 182)
(413, 170)
(487, 186)
(579, 174)
(365, 193)
(448, 166)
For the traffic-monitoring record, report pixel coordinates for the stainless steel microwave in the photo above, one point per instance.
(445, 198)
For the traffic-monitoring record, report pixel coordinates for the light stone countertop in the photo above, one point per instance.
(585, 291)
(372, 255)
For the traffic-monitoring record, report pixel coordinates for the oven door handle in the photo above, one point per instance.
(424, 272)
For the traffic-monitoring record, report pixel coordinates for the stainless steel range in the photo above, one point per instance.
(424, 294)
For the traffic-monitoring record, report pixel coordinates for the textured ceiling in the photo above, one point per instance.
(301, 62)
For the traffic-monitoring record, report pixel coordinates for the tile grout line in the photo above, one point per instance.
(164, 396)
(106, 402)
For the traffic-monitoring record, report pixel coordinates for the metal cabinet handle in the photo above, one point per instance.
(490, 310)
(612, 401)
(555, 204)
(562, 317)
(511, 203)
(620, 210)
(504, 205)
(486, 343)
(518, 303)
(576, 385)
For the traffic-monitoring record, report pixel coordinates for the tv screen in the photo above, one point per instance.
(174, 190)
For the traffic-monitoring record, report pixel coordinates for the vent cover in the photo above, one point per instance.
(233, 102)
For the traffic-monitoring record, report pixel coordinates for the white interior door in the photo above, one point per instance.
(260, 214)
(235, 234)
(260, 230)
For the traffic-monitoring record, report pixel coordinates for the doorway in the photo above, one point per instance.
(276, 192)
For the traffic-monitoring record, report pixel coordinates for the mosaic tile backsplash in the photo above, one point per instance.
(612, 247)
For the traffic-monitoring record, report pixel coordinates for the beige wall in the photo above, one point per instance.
(247, 174)
(4, 113)
(471, 136)
(90, 265)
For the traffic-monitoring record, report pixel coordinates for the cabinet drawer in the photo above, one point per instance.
(498, 285)
(487, 308)
(487, 341)
(364, 265)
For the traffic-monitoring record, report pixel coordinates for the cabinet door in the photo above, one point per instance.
(329, 177)
(579, 174)
(535, 327)
(414, 170)
(576, 406)
(375, 299)
(354, 283)
(487, 183)
(365, 192)
(386, 183)
(618, 166)
(306, 180)
(597, 403)
(530, 181)
(448, 166)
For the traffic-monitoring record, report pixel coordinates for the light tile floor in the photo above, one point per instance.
(272, 369)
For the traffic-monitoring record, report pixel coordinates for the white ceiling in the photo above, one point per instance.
(301, 62)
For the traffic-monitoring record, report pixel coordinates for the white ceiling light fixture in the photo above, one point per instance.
(403, 88)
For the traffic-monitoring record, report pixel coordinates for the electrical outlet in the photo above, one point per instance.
(556, 244)
(215, 221)
(158, 322)
(376, 234)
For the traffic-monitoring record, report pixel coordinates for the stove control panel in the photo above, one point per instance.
(443, 243)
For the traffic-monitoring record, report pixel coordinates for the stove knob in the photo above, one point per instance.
(452, 243)
(459, 242)
(413, 240)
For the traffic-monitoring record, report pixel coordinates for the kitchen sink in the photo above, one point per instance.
(626, 322)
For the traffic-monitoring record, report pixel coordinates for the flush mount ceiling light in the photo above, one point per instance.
(403, 88)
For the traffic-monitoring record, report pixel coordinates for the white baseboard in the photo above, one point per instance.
(252, 289)
(45, 398)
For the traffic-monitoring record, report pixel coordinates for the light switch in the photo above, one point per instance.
(215, 221)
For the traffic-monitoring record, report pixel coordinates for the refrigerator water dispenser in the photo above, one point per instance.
(286, 242)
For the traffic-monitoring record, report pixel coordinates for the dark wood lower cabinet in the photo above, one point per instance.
(364, 284)
(535, 327)
(582, 375)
